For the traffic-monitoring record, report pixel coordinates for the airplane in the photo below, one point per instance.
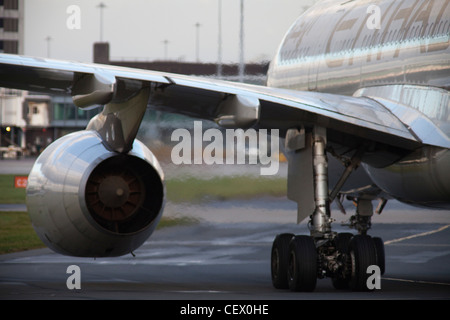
(354, 84)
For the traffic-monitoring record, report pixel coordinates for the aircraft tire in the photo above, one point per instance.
(362, 254)
(302, 270)
(280, 260)
(379, 246)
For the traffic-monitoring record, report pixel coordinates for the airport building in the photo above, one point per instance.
(11, 41)
(11, 26)
(30, 121)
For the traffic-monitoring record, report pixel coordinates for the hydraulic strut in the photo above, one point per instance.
(321, 221)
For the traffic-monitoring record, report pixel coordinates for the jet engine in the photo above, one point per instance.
(85, 200)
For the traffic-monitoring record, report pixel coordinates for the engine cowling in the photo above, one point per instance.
(85, 200)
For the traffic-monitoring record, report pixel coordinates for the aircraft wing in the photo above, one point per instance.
(230, 104)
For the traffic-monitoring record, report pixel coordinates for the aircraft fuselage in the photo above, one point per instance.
(393, 50)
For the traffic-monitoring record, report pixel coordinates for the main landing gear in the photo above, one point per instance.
(297, 261)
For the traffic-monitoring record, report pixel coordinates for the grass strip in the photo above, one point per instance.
(223, 188)
(8, 193)
(185, 189)
(17, 233)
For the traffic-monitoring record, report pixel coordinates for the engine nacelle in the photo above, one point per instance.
(85, 200)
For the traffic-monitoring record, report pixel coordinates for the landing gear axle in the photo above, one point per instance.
(297, 263)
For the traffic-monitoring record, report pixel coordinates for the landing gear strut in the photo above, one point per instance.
(297, 261)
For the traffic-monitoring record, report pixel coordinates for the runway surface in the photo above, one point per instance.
(228, 260)
(225, 255)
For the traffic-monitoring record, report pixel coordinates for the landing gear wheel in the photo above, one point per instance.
(379, 246)
(342, 278)
(362, 254)
(302, 270)
(280, 260)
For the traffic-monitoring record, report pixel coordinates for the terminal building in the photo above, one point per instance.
(30, 121)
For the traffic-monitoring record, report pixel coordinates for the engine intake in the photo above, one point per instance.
(121, 194)
(85, 200)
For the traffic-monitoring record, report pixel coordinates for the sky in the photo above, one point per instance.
(136, 29)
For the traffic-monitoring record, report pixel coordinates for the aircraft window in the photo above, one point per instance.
(373, 41)
(416, 34)
(401, 34)
(389, 37)
(439, 30)
(445, 26)
(425, 32)
(413, 31)
(288, 54)
(419, 32)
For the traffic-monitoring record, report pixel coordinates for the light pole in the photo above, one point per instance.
(101, 6)
(166, 44)
(48, 39)
(241, 46)
(219, 53)
(197, 42)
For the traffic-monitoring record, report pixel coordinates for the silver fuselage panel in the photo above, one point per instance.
(403, 63)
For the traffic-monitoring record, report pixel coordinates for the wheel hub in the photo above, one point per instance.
(113, 191)
(114, 197)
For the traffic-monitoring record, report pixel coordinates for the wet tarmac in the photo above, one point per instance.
(212, 260)
(224, 254)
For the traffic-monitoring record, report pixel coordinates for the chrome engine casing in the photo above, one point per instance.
(85, 200)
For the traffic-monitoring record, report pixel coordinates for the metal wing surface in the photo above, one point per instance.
(229, 104)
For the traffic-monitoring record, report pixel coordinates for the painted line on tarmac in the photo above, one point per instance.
(423, 234)
(417, 281)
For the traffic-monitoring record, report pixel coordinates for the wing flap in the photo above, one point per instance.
(284, 109)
